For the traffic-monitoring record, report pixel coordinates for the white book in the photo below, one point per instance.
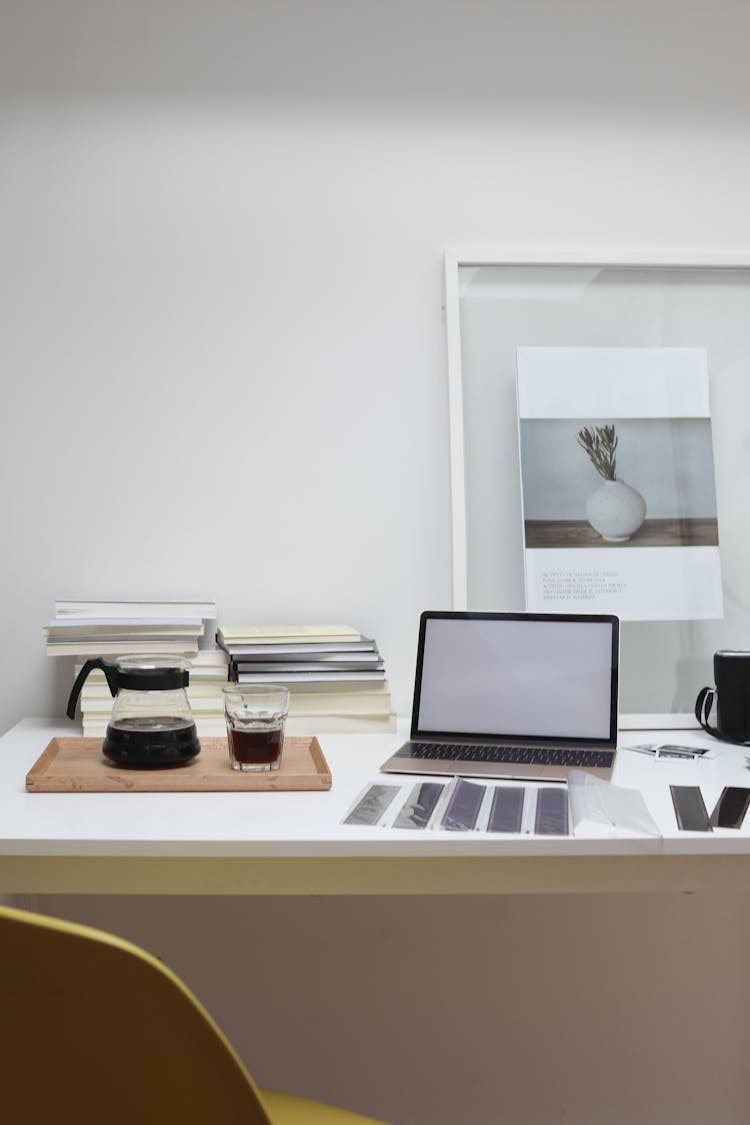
(145, 636)
(68, 625)
(171, 607)
(106, 647)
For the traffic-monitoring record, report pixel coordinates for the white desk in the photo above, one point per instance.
(614, 994)
(294, 843)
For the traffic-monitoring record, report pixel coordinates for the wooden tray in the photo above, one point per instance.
(77, 765)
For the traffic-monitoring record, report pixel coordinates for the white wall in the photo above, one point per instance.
(223, 370)
(222, 226)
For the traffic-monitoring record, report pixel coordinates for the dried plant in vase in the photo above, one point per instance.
(615, 509)
(600, 444)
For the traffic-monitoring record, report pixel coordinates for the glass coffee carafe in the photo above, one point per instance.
(151, 725)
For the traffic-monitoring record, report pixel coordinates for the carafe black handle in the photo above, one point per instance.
(110, 671)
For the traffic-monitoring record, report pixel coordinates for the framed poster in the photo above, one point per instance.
(500, 307)
(617, 483)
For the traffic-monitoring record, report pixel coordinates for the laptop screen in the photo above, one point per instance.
(512, 676)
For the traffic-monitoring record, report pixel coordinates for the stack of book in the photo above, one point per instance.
(336, 677)
(108, 629)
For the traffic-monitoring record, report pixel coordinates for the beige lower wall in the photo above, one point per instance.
(432, 1011)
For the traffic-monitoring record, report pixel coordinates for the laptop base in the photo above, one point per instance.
(498, 762)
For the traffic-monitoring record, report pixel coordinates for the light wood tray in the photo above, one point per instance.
(77, 765)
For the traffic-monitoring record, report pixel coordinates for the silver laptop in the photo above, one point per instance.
(526, 696)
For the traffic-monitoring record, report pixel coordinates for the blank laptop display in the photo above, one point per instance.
(513, 695)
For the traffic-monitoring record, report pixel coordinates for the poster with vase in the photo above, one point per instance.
(617, 482)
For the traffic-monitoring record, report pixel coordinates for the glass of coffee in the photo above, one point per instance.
(255, 717)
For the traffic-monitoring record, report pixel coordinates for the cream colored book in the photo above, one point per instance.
(340, 724)
(285, 634)
(209, 658)
(64, 632)
(370, 702)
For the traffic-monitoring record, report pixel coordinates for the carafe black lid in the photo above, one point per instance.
(152, 673)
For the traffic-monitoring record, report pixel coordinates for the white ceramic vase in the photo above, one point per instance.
(615, 510)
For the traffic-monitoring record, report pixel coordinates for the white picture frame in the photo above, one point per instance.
(655, 298)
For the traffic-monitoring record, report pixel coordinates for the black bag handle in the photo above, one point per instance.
(703, 705)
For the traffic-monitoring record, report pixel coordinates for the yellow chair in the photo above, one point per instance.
(95, 1031)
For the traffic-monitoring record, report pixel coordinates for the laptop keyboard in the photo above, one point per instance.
(514, 755)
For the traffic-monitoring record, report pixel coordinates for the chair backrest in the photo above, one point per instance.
(95, 1030)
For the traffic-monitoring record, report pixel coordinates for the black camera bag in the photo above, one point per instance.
(732, 695)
